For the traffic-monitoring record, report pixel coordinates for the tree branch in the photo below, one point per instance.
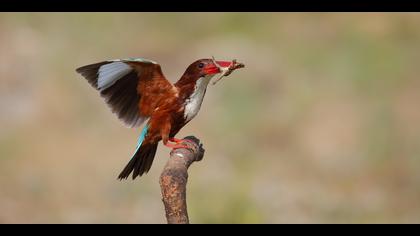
(173, 180)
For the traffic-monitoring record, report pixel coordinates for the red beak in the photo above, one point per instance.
(224, 63)
(214, 69)
(211, 69)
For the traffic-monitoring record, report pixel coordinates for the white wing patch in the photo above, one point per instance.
(109, 74)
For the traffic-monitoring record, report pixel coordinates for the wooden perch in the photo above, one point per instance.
(173, 180)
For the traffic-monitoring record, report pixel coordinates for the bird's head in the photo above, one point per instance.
(208, 68)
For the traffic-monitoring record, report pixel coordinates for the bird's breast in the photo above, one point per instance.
(193, 102)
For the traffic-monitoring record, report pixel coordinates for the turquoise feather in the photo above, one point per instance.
(141, 138)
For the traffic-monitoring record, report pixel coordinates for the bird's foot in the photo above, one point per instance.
(178, 143)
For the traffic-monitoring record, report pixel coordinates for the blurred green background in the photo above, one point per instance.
(322, 126)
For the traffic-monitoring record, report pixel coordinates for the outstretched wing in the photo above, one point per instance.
(132, 88)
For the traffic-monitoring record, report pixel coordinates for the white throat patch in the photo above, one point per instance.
(193, 103)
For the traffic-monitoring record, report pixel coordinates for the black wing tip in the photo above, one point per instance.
(94, 67)
(79, 70)
(90, 72)
(82, 69)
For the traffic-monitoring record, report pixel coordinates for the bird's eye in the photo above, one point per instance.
(201, 65)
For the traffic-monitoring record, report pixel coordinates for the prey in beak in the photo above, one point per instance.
(226, 68)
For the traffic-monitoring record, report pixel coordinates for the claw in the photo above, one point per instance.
(175, 140)
(178, 141)
(178, 144)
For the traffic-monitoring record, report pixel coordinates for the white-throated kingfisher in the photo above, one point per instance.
(136, 90)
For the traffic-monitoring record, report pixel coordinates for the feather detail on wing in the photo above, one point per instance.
(132, 88)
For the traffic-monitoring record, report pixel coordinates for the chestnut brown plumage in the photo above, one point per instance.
(136, 90)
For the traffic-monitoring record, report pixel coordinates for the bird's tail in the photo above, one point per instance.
(142, 159)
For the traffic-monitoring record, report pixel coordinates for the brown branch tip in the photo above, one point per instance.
(174, 177)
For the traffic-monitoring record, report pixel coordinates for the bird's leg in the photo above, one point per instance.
(165, 130)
